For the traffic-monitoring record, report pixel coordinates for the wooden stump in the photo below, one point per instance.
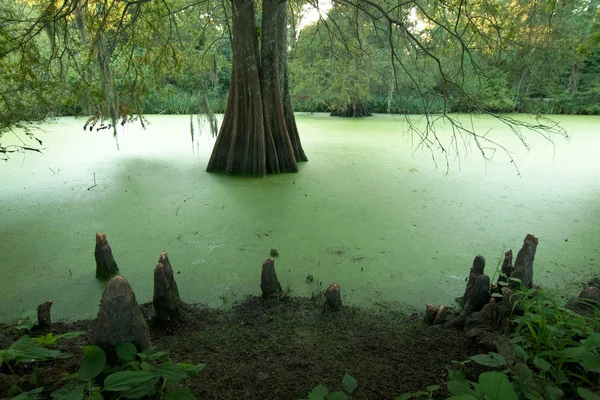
(441, 316)
(269, 284)
(524, 263)
(333, 297)
(480, 294)
(106, 267)
(43, 313)
(164, 260)
(430, 312)
(507, 268)
(120, 319)
(166, 300)
(476, 270)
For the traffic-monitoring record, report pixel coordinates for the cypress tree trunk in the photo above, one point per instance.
(240, 145)
(254, 138)
(286, 92)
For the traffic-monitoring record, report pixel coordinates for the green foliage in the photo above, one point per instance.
(491, 386)
(423, 394)
(33, 394)
(27, 321)
(556, 355)
(137, 375)
(28, 350)
(321, 392)
(556, 350)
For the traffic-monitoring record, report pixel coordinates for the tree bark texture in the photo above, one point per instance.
(120, 319)
(333, 297)
(269, 284)
(353, 110)
(106, 266)
(523, 269)
(286, 93)
(254, 139)
(44, 317)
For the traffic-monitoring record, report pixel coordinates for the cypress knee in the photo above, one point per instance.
(269, 284)
(164, 260)
(333, 297)
(524, 263)
(43, 313)
(120, 319)
(106, 266)
(166, 298)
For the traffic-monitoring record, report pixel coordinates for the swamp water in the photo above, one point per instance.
(367, 211)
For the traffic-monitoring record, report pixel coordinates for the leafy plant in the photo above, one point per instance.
(556, 353)
(27, 349)
(491, 386)
(138, 374)
(422, 394)
(321, 392)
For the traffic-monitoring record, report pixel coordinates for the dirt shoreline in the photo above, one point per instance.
(265, 349)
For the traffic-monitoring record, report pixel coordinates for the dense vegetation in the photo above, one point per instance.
(528, 56)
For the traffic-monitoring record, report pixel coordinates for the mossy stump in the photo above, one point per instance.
(43, 314)
(166, 301)
(524, 263)
(333, 297)
(106, 266)
(269, 284)
(120, 318)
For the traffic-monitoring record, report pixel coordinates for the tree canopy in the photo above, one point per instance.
(115, 60)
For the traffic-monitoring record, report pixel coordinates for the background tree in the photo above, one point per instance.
(118, 59)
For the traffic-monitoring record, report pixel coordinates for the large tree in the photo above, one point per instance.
(258, 135)
(112, 47)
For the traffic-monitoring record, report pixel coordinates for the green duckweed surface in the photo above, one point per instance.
(369, 210)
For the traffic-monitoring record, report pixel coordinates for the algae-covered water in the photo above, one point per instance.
(367, 211)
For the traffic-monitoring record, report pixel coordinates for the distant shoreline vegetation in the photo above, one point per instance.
(174, 101)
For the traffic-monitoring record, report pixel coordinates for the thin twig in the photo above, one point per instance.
(182, 203)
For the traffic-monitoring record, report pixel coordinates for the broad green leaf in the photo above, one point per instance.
(590, 362)
(172, 372)
(69, 393)
(495, 386)
(456, 375)
(541, 363)
(31, 395)
(460, 388)
(432, 388)
(93, 363)
(493, 360)
(38, 353)
(349, 383)
(551, 391)
(193, 370)
(463, 397)
(145, 366)
(144, 389)
(27, 320)
(586, 394)
(337, 396)
(179, 394)
(404, 396)
(520, 352)
(529, 392)
(71, 335)
(49, 339)
(22, 343)
(126, 351)
(318, 393)
(592, 341)
(127, 380)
